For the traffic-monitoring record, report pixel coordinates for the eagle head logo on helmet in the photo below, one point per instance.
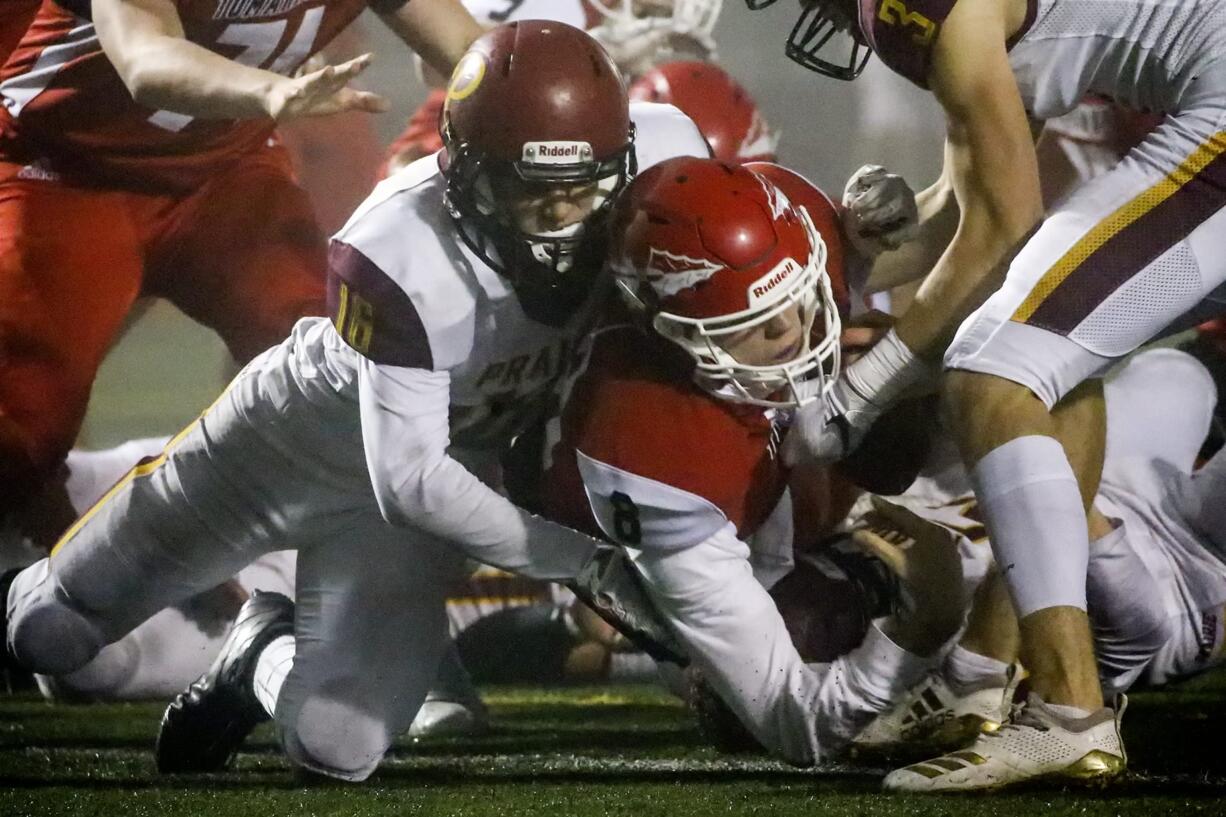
(711, 251)
(724, 112)
(538, 143)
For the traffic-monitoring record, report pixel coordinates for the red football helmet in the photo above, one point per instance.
(825, 216)
(724, 112)
(534, 107)
(711, 249)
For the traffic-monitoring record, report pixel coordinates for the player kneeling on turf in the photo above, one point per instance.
(459, 291)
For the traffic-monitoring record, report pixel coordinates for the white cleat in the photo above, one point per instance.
(1037, 745)
(439, 718)
(933, 717)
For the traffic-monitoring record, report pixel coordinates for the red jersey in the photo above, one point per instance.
(646, 455)
(65, 105)
(15, 18)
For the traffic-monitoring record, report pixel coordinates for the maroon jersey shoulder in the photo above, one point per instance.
(902, 33)
(372, 313)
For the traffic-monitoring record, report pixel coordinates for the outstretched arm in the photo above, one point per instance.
(992, 172)
(405, 435)
(145, 41)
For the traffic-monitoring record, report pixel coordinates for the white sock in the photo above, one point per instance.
(631, 668)
(1067, 712)
(271, 668)
(1030, 501)
(964, 669)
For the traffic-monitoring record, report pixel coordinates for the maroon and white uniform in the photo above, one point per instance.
(321, 442)
(1134, 249)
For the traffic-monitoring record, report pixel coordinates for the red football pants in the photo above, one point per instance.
(242, 255)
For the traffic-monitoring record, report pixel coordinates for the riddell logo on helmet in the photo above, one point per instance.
(557, 153)
(762, 287)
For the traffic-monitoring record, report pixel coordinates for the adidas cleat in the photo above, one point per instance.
(934, 718)
(205, 724)
(1036, 746)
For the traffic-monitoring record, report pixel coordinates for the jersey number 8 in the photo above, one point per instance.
(626, 526)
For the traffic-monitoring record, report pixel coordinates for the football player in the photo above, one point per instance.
(1112, 265)
(459, 291)
(638, 34)
(724, 111)
(669, 442)
(145, 126)
(1156, 580)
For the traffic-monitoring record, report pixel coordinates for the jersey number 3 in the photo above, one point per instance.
(259, 43)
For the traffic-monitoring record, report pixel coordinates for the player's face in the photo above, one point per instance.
(778, 339)
(545, 208)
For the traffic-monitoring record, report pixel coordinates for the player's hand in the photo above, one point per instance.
(324, 92)
(213, 610)
(830, 429)
(925, 557)
(879, 211)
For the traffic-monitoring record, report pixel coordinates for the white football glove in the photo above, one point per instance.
(879, 211)
(828, 430)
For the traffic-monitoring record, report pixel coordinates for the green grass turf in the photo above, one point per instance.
(572, 753)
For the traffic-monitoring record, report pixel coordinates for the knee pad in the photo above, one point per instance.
(49, 637)
(332, 738)
(102, 679)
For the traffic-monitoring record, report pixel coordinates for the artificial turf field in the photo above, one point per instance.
(579, 752)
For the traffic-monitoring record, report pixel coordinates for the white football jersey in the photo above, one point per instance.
(447, 310)
(1143, 54)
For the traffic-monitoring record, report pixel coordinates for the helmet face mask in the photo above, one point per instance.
(498, 206)
(538, 145)
(816, 363)
(826, 38)
(797, 281)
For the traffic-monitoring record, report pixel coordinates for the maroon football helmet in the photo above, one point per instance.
(535, 107)
(710, 250)
(724, 112)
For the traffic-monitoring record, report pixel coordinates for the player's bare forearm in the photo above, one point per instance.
(991, 166)
(439, 30)
(144, 40)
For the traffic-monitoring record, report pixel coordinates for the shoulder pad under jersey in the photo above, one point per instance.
(397, 291)
(635, 425)
(902, 33)
(663, 132)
